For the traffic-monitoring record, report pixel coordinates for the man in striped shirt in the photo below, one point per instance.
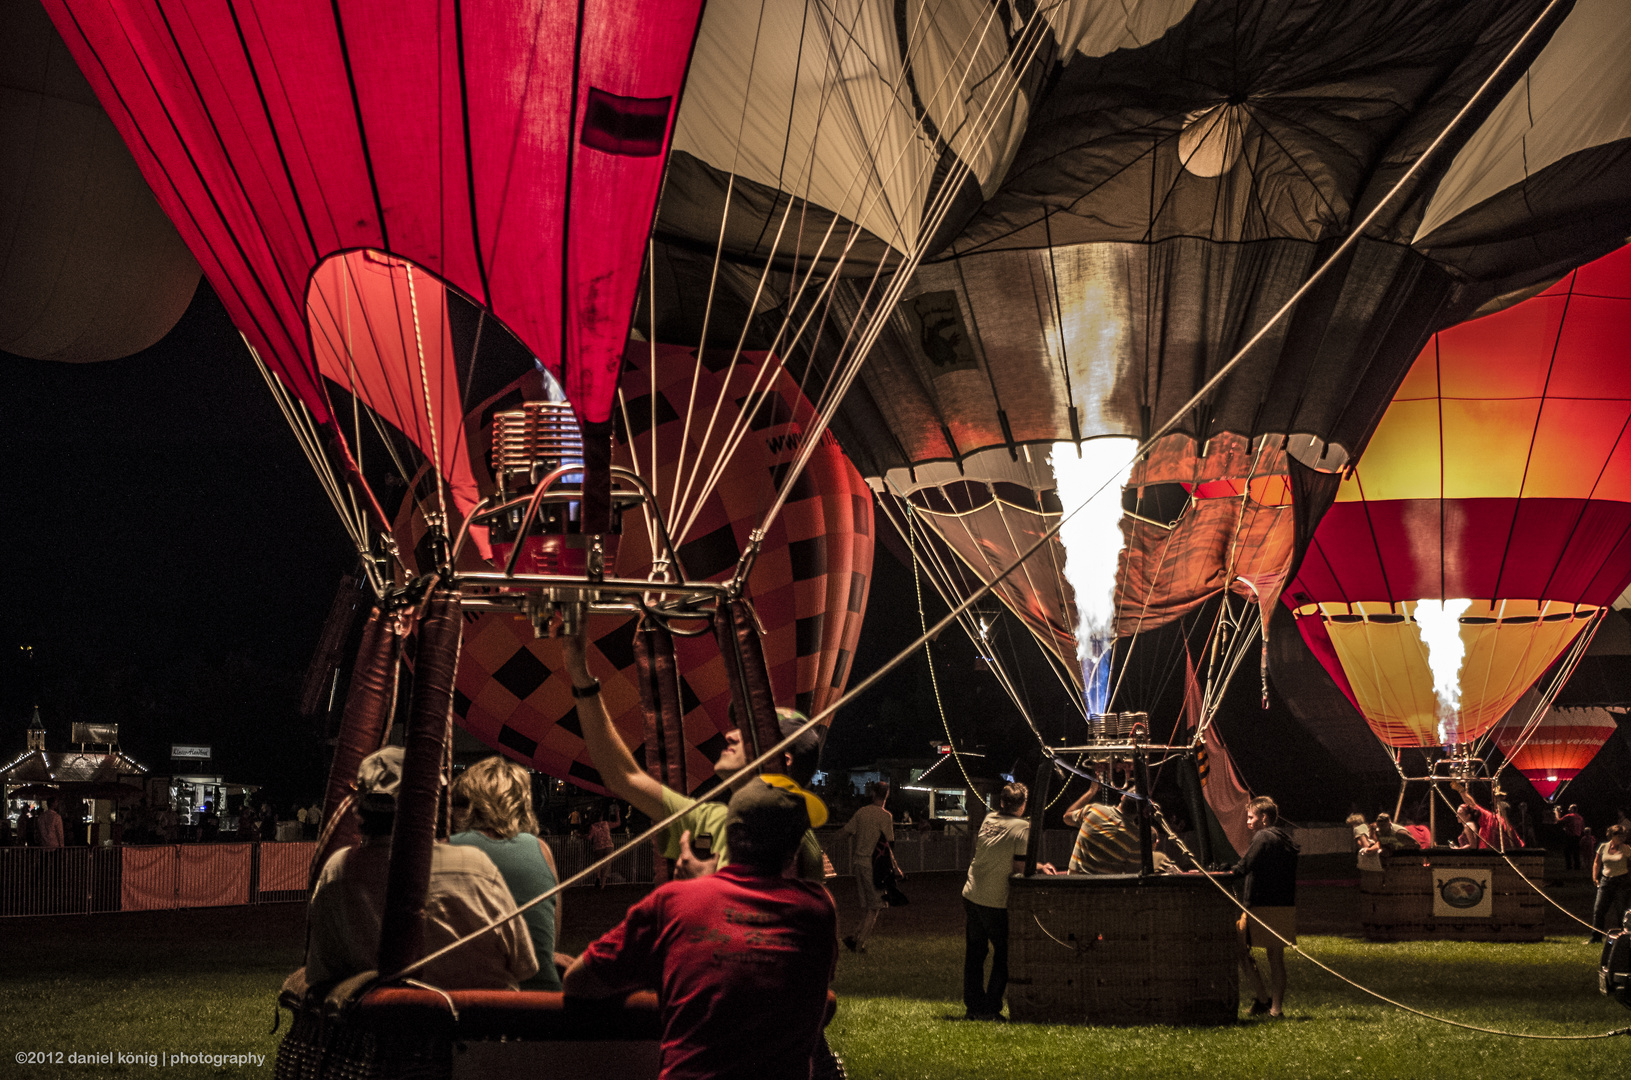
(1104, 843)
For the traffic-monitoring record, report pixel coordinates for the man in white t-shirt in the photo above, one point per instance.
(870, 824)
(999, 854)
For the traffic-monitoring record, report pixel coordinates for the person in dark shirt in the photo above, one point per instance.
(1269, 891)
(1573, 825)
(740, 958)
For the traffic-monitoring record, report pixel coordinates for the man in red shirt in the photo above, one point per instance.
(741, 958)
(1574, 826)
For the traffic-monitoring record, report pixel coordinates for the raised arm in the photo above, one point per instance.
(1073, 816)
(616, 765)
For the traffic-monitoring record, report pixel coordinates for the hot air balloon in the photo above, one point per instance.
(1551, 749)
(92, 269)
(513, 152)
(1489, 523)
(443, 255)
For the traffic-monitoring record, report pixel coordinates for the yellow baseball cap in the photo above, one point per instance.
(812, 802)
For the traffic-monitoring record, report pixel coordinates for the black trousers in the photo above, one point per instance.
(1571, 852)
(1612, 897)
(986, 930)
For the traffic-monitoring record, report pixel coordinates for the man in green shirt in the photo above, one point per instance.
(624, 778)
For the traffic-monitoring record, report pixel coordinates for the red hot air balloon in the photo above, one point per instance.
(513, 149)
(1552, 750)
(1498, 485)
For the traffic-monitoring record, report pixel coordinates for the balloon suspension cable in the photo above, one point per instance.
(340, 496)
(936, 212)
(934, 678)
(980, 639)
(439, 522)
(347, 349)
(1234, 655)
(713, 280)
(941, 206)
(1059, 583)
(940, 577)
(1047, 537)
(1292, 946)
(1565, 670)
(634, 459)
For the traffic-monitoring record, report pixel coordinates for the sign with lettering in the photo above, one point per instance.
(179, 752)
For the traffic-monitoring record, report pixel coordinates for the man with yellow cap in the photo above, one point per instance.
(740, 958)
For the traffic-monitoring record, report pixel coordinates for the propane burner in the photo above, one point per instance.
(1116, 727)
(532, 441)
(541, 446)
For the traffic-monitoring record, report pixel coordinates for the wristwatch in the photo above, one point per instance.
(586, 691)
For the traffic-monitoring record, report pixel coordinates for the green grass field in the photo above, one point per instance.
(898, 1019)
(205, 982)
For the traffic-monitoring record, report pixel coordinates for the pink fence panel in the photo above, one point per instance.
(284, 866)
(147, 878)
(212, 875)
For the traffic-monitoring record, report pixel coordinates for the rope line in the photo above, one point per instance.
(934, 679)
(1328, 969)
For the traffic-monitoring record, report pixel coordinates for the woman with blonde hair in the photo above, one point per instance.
(492, 811)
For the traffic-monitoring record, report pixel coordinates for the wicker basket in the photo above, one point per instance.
(319, 1048)
(1397, 903)
(1111, 949)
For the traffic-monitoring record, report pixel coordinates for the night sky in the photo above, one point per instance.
(171, 554)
